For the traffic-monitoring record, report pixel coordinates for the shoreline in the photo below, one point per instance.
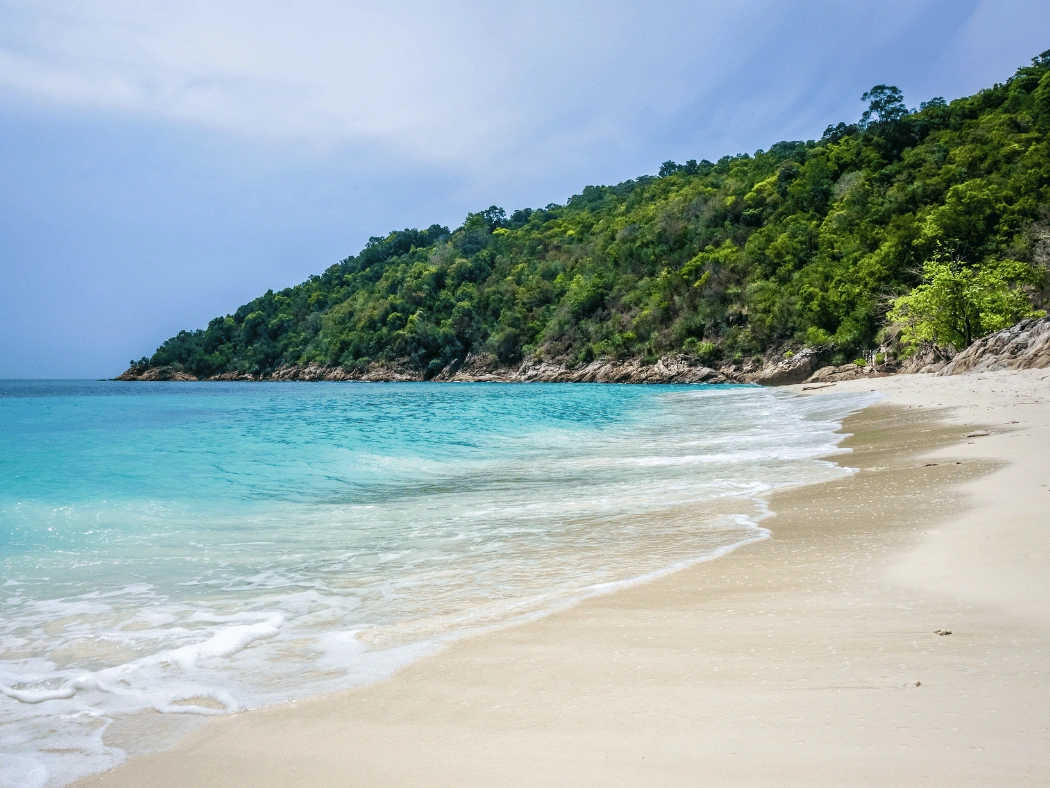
(675, 368)
(723, 668)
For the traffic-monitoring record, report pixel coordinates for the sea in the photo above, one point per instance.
(175, 551)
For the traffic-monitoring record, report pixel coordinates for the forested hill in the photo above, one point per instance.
(807, 243)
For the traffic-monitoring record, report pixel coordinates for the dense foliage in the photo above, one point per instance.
(806, 243)
(957, 303)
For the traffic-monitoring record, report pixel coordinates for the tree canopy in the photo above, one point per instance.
(805, 243)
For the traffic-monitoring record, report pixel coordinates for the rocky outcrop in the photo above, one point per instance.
(928, 359)
(156, 373)
(669, 369)
(845, 372)
(377, 373)
(1023, 346)
(483, 368)
(227, 376)
(796, 368)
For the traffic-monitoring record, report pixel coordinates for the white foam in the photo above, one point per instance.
(325, 598)
(20, 771)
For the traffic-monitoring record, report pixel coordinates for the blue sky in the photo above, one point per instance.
(161, 164)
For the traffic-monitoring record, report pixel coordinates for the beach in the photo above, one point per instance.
(810, 658)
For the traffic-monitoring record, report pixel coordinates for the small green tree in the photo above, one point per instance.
(957, 303)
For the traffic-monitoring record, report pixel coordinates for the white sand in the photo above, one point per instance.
(790, 662)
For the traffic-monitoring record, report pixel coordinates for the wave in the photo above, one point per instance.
(213, 603)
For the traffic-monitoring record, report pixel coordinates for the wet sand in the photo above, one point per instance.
(808, 659)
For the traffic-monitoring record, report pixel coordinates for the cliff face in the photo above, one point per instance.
(1023, 346)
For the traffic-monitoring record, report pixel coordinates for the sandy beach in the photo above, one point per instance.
(811, 658)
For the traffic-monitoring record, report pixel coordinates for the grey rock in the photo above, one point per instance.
(481, 368)
(928, 359)
(156, 373)
(796, 369)
(844, 372)
(1023, 346)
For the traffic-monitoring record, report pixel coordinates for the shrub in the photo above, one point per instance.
(707, 352)
(817, 336)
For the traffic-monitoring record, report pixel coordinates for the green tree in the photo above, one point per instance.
(957, 303)
(885, 105)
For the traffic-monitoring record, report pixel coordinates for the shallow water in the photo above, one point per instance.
(172, 551)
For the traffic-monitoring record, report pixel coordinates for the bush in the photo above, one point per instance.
(506, 345)
(707, 352)
(817, 336)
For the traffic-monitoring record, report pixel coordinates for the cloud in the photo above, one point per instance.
(433, 80)
(455, 83)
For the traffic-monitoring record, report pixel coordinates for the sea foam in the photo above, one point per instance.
(197, 549)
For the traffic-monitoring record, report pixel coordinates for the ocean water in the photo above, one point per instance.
(172, 551)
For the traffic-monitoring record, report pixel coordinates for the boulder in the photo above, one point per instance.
(1023, 346)
(844, 372)
(794, 369)
(928, 359)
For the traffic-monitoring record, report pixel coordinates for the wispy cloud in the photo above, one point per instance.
(454, 82)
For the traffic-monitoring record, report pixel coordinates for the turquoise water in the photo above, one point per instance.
(195, 549)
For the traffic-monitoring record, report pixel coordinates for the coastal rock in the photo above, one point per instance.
(833, 374)
(475, 368)
(482, 368)
(928, 359)
(232, 376)
(156, 373)
(794, 369)
(669, 369)
(313, 372)
(1023, 346)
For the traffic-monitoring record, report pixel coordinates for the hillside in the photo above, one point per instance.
(804, 244)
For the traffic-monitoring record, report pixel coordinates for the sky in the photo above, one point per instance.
(163, 163)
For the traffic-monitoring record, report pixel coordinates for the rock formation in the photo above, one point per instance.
(482, 368)
(1023, 346)
(928, 359)
(795, 368)
(845, 372)
(155, 373)
(669, 369)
